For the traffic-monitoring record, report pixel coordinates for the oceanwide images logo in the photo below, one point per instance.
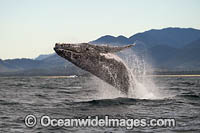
(95, 121)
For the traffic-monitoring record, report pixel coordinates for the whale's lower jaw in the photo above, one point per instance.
(106, 66)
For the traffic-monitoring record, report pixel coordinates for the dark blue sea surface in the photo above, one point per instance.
(65, 97)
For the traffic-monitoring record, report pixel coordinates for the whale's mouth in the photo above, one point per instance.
(63, 50)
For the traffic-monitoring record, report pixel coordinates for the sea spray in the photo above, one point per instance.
(141, 85)
(104, 90)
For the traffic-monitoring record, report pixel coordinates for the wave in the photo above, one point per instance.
(190, 96)
(121, 101)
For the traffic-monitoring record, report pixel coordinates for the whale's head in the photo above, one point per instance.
(74, 52)
(84, 54)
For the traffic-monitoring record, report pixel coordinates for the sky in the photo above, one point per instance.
(29, 28)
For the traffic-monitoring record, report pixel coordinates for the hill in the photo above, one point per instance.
(173, 37)
(187, 57)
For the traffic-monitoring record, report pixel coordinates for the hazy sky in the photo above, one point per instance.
(32, 27)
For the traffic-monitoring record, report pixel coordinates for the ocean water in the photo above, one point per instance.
(79, 97)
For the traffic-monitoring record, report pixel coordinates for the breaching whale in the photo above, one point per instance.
(98, 60)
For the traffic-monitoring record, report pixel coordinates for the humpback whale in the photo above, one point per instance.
(99, 61)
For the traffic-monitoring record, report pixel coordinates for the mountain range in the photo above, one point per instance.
(167, 49)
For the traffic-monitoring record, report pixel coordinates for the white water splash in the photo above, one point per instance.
(142, 86)
(105, 91)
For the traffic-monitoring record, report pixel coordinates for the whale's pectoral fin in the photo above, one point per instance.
(117, 49)
(114, 49)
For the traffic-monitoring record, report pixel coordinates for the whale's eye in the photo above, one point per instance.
(87, 49)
